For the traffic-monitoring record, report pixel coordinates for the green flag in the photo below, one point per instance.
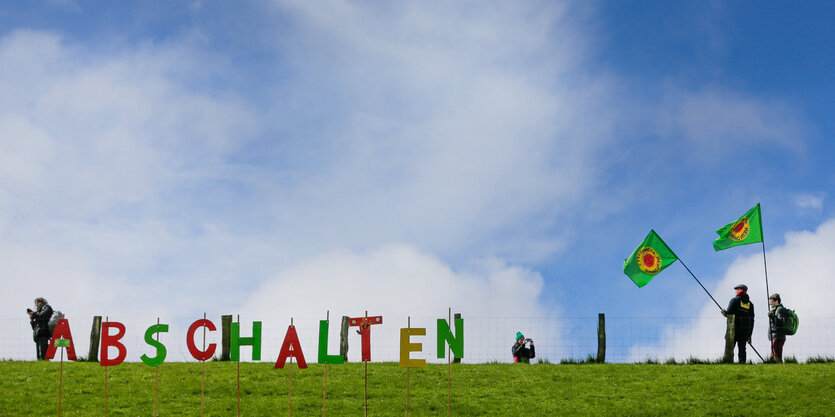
(648, 259)
(742, 231)
(62, 343)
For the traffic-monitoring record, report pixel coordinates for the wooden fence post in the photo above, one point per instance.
(456, 359)
(343, 337)
(95, 335)
(226, 339)
(729, 341)
(601, 338)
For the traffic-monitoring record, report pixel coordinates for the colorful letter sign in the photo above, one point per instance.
(406, 346)
(291, 347)
(149, 339)
(197, 353)
(108, 340)
(324, 358)
(456, 342)
(62, 331)
(238, 341)
(364, 324)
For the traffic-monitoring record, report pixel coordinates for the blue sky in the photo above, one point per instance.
(502, 159)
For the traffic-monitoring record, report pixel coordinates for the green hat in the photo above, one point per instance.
(519, 335)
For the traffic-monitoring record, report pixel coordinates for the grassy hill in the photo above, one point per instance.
(31, 388)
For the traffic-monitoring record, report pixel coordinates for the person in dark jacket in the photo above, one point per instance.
(777, 316)
(521, 354)
(743, 310)
(39, 319)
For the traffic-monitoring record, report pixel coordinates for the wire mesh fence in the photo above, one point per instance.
(486, 339)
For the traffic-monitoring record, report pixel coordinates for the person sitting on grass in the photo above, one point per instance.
(521, 354)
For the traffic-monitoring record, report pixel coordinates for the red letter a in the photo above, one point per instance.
(62, 331)
(291, 347)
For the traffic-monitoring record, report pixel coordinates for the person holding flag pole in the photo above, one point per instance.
(742, 309)
(650, 258)
(745, 230)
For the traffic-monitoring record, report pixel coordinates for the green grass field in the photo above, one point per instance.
(31, 388)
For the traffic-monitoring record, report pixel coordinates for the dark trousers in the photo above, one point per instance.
(777, 349)
(743, 358)
(41, 345)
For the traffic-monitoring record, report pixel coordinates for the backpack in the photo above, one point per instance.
(790, 325)
(57, 315)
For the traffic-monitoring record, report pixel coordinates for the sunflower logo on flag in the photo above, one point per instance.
(649, 261)
(740, 229)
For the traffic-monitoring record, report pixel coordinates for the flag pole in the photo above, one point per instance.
(765, 268)
(755, 351)
(767, 292)
(700, 283)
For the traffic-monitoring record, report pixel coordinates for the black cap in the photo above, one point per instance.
(742, 287)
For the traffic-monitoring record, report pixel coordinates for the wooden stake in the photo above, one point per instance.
(449, 370)
(203, 379)
(408, 371)
(325, 379)
(365, 393)
(290, 390)
(61, 382)
(156, 378)
(106, 319)
(239, 372)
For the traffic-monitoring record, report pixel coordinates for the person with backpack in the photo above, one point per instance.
(777, 317)
(521, 354)
(39, 319)
(743, 310)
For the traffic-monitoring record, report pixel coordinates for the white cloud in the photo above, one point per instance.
(718, 121)
(809, 201)
(799, 270)
(66, 5)
(397, 281)
(113, 164)
(96, 153)
(449, 126)
(126, 185)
